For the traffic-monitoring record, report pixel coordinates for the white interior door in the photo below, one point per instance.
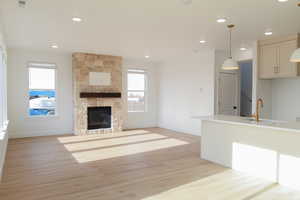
(228, 93)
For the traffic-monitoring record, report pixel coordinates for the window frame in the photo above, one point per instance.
(145, 73)
(47, 65)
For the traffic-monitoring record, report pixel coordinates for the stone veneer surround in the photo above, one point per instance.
(83, 63)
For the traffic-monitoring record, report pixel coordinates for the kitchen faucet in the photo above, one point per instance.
(259, 104)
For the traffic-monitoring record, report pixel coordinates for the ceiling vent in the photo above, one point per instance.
(22, 3)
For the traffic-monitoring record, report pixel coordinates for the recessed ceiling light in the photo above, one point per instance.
(221, 20)
(282, 0)
(147, 56)
(202, 41)
(76, 19)
(54, 46)
(243, 49)
(268, 33)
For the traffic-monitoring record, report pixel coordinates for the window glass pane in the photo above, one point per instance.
(41, 78)
(42, 102)
(136, 101)
(136, 81)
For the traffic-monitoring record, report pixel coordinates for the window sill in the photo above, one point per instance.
(5, 126)
(43, 117)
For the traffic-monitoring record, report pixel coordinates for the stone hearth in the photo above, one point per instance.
(83, 64)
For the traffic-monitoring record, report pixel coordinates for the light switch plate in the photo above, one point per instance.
(298, 119)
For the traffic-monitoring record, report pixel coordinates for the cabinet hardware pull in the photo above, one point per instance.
(276, 70)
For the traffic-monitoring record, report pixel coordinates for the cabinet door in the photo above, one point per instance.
(287, 68)
(268, 66)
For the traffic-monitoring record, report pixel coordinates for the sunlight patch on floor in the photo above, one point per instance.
(289, 171)
(279, 193)
(71, 139)
(125, 150)
(111, 142)
(255, 161)
(267, 164)
(227, 185)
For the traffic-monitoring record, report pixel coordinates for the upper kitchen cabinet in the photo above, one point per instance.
(274, 57)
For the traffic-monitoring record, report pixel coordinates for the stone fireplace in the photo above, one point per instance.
(97, 85)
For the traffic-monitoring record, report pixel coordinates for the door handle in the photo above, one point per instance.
(234, 107)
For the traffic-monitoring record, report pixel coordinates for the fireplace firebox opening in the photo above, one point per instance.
(99, 118)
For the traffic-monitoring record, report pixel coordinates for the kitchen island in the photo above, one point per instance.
(267, 149)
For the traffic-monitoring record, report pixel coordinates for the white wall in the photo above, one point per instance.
(21, 125)
(3, 105)
(286, 99)
(246, 87)
(220, 56)
(186, 89)
(239, 55)
(142, 119)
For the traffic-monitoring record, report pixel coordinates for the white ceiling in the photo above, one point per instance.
(134, 28)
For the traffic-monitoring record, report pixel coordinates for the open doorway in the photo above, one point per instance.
(246, 82)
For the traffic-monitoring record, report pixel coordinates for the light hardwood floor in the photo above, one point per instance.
(148, 164)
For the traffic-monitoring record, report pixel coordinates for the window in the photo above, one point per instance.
(137, 90)
(42, 89)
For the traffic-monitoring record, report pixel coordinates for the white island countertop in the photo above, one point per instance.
(264, 123)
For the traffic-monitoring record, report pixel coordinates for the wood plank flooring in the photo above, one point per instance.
(148, 164)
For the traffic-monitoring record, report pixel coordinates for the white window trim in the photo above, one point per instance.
(145, 90)
(40, 66)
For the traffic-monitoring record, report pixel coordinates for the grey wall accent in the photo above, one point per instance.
(246, 87)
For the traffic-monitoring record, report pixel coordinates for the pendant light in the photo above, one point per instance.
(230, 64)
(296, 55)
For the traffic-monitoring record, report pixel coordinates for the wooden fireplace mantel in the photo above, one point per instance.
(100, 95)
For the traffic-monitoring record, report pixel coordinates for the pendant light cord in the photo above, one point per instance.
(230, 27)
(230, 56)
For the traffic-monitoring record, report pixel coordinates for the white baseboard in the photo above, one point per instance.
(1, 172)
(35, 133)
(140, 126)
(185, 131)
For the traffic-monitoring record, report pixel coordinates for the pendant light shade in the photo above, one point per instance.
(295, 56)
(230, 64)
